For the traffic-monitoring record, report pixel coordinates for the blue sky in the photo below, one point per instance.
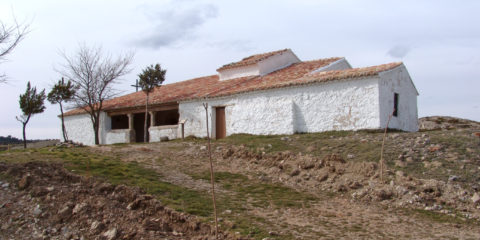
(439, 42)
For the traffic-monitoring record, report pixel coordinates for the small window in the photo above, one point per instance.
(120, 122)
(395, 104)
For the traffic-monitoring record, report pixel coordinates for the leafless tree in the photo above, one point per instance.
(10, 36)
(94, 74)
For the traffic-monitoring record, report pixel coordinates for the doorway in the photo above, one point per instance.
(220, 126)
(138, 125)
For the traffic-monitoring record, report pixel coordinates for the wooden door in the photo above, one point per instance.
(220, 126)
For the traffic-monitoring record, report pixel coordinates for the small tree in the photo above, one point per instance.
(31, 103)
(151, 77)
(60, 93)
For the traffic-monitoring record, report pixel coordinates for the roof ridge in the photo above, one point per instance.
(252, 59)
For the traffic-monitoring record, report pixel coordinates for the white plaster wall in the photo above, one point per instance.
(341, 105)
(245, 71)
(117, 136)
(276, 62)
(341, 64)
(156, 132)
(80, 129)
(398, 81)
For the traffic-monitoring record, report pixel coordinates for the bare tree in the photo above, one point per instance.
(94, 74)
(10, 36)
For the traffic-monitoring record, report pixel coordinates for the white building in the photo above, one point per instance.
(269, 93)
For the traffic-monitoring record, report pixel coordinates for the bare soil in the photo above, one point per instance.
(305, 186)
(45, 201)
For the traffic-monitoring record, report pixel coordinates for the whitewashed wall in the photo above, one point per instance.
(340, 64)
(263, 67)
(170, 131)
(398, 81)
(117, 136)
(79, 128)
(340, 105)
(276, 62)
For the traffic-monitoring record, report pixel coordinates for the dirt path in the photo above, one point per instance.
(335, 217)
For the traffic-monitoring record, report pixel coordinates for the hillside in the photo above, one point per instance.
(303, 186)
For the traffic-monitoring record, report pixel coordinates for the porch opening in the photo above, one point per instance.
(168, 117)
(138, 126)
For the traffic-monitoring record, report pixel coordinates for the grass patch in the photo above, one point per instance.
(259, 194)
(439, 217)
(117, 172)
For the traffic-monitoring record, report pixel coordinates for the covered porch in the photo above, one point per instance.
(127, 125)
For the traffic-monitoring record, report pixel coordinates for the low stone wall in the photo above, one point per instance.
(119, 136)
(157, 132)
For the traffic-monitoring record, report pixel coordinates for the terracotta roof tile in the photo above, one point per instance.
(211, 86)
(251, 60)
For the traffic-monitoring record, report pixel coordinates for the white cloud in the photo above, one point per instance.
(176, 24)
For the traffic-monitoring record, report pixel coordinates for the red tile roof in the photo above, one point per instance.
(251, 60)
(211, 86)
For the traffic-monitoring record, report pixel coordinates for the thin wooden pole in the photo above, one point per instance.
(383, 145)
(211, 173)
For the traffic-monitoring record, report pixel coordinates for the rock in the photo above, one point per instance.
(79, 207)
(6, 185)
(96, 227)
(409, 159)
(341, 188)
(364, 140)
(322, 177)
(203, 148)
(164, 139)
(452, 178)
(110, 234)
(399, 163)
(400, 174)
(437, 164)
(272, 233)
(228, 153)
(37, 211)
(65, 212)
(355, 185)
(295, 172)
(227, 211)
(383, 195)
(475, 198)
(434, 148)
(24, 181)
(350, 156)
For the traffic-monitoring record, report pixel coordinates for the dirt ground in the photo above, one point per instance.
(45, 201)
(306, 186)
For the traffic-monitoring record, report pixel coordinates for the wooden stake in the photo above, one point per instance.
(383, 144)
(205, 105)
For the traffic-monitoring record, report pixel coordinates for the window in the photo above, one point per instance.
(120, 122)
(395, 104)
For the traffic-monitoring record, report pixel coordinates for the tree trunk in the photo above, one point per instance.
(96, 124)
(64, 133)
(145, 127)
(24, 138)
